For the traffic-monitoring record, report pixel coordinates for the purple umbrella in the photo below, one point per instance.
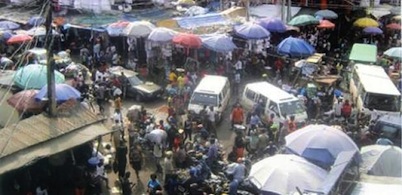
(273, 25)
(36, 21)
(251, 31)
(372, 30)
(8, 25)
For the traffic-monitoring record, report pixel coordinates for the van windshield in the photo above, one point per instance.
(382, 102)
(291, 108)
(204, 99)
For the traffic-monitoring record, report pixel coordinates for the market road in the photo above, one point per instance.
(159, 109)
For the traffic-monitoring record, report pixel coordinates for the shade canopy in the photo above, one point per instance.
(63, 93)
(365, 53)
(187, 40)
(273, 25)
(295, 47)
(162, 34)
(326, 24)
(8, 25)
(251, 31)
(157, 136)
(34, 76)
(320, 144)
(20, 38)
(380, 160)
(117, 28)
(303, 20)
(138, 29)
(366, 22)
(327, 14)
(282, 174)
(219, 43)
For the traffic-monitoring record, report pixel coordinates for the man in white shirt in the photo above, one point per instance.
(338, 107)
(239, 65)
(211, 120)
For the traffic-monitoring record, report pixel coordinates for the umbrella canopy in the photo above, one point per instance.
(380, 160)
(36, 21)
(186, 2)
(63, 93)
(327, 14)
(5, 35)
(251, 31)
(219, 43)
(372, 31)
(39, 31)
(395, 52)
(273, 25)
(320, 144)
(8, 25)
(187, 40)
(116, 29)
(394, 26)
(282, 173)
(326, 24)
(138, 29)
(157, 136)
(303, 20)
(161, 34)
(196, 10)
(295, 47)
(25, 101)
(34, 76)
(21, 38)
(398, 17)
(366, 22)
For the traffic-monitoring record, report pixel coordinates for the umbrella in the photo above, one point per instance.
(380, 160)
(327, 14)
(185, 2)
(34, 76)
(63, 93)
(292, 28)
(187, 40)
(366, 22)
(395, 52)
(326, 24)
(394, 26)
(251, 31)
(25, 101)
(303, 20)
(5, 35)
(21, 38)
(372, 31)
(320, 144)
(39, 31)
(219, 43)
(8, 25)
(116, 29)
(196, 10)
(273, 25)
(281, 174)
(138, 29)
(157, 136)
(36, 21)
(161, 34)
(295, 47)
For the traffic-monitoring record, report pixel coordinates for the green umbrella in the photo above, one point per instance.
(34, 76)
(395, 52)
(303, 20)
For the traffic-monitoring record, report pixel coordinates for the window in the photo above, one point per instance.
(291, 108)
(250, 94)
(382, 102)
(274, 107)
(204, 99)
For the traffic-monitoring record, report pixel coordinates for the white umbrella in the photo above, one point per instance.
(157, 136)
(380, 160)
(39, 31)
(138, 29)
(282, 173)
(161, 34)
(395, 52)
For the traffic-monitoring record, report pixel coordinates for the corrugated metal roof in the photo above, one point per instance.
(41, 128)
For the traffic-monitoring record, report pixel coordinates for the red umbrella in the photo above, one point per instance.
(187, 40)
(25, 101)
(326, 24)
(21, 38)
(394, 26)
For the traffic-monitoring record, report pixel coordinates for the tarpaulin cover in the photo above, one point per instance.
(200, 21)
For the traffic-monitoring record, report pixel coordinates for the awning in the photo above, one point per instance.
(363, 53)
(30, 155)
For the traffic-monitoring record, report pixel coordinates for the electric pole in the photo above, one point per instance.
(51, 85)
(282, 10)
(289, 11)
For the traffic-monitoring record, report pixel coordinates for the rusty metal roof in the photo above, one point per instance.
(41, 128)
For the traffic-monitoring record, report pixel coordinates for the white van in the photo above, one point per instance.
(274, 100)
(211, 91)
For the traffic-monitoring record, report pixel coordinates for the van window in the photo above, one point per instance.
(204, 99)
(382, 102)
(291, 108)
(220, 97)
(250, 94)
(263, 101)
(225, 90)
(274, 107)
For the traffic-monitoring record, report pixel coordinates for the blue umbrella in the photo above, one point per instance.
(8, 25)
(5, 35)
(251, 31)
(63, 92)
(295, 47)
(219, 43)
(273, 25)
(327, 14)
(372, 31)
(319, 144)
(36, 21)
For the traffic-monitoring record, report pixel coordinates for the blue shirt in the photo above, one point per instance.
(212, 152)
(254, 120)
(239, 172)
(233, 187)
(154, 184)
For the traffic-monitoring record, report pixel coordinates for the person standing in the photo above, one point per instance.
(188, 130)
(126, 184)
(121, 158)
(236, 86)
(237, 116)
(291, 125)
(168, 168)
(136, 159)
(157, 152)
(211, 120)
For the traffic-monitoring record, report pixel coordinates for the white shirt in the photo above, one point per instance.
(157, 150)
(338, 108)
(211, 115)
(117, 117)
(40, 191)
(238, 65)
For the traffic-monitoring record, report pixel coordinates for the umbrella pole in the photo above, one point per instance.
(51, 86)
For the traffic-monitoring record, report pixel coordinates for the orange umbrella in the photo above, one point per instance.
(20, 38)
(187, 40)
(326, 24)
(394, 26)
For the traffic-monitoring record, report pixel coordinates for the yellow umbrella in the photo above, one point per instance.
(186, 2)
(366, 22)
(397, 17)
